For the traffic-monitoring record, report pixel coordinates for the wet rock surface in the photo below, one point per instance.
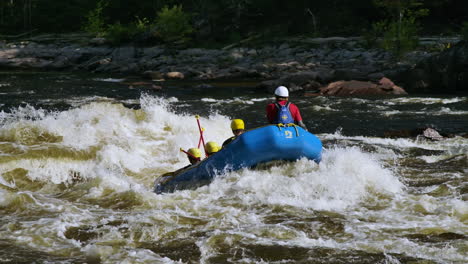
(322, 65)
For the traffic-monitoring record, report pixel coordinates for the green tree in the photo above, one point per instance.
(400, 31)
(94, 20)
(173, 24)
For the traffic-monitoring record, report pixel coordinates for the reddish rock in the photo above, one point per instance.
(146, 85)
(348, 88)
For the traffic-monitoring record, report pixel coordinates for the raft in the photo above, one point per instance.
(253, 147)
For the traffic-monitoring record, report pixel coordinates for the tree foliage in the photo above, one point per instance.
(228, 20)
(399, 32)
(94, 19)
(173, 24)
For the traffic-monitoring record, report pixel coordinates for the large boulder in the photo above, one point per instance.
(351, 88)
(174, 75)
(444, 72)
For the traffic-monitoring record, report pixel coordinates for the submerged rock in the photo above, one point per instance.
(427, 132)
(431, 133)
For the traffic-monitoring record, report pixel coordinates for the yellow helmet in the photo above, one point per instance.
(212, 147)
(195, 152)
(237, 124)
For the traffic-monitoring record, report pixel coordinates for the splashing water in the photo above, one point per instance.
(76, 186)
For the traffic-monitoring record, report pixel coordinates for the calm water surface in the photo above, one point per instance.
(79, 154)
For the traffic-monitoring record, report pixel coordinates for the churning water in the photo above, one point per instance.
(79, 155)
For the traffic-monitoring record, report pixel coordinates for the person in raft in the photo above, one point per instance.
(237, 127)
(211, 147)
(282, 111)
(194, 157)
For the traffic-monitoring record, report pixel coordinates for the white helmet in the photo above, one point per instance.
(282, 91)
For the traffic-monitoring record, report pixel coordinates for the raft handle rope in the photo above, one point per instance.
(280, 125)
(295, 127)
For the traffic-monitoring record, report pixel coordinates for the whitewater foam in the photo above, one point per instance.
(344, 178)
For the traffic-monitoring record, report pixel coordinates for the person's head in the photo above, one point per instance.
(237, 126)
(211, 147)
(281, 93)
(194, 155)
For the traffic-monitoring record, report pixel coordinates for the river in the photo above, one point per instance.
(79, 154)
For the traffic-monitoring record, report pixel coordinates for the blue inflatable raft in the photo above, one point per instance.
(263, 144)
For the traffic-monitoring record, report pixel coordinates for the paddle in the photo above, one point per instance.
(189, 154)
(201, 129)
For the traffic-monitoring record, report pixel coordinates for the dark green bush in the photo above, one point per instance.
(401, 38)
(118, 33)
(95, 21)
(398, 37)
(173, 24)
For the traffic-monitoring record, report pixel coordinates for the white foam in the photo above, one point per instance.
(236, 100)
(399, 142)
(427, 101)
(343, 179)
(5, 196)
(125, 140)
(109, 80)
(132, 147)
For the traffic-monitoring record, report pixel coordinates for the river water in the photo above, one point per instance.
(79, 154)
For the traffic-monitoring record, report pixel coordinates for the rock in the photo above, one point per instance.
(295, 82)
(123, 54)
(97, 41)
(153, 75)
(312, 86)
(175, 75)
(60, 62)
(156, 87)
(204, 86)
(93, 65)
(152, 52)
(130, 68)
(236, 54)
(431, 133)
(193, 52)
(446, 71)
(348, 88)
(426, 132)
(349, 74)
(403, 133)
(374, 77)
(298, 67)
(143, 85)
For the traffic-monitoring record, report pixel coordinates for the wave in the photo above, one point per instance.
(126, 149)
(83, 180)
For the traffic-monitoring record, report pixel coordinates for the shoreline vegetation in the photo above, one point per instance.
(307, 46)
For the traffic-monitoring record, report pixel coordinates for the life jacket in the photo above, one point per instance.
(284, 114)
(227, 141)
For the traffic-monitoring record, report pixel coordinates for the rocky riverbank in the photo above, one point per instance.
(301, 64)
